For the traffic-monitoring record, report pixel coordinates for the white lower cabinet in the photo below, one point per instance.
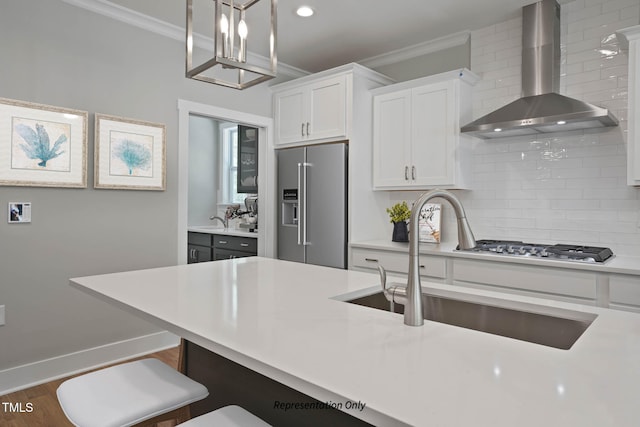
(624, 292)
(617, 291)
(551, 283)
(431, 267)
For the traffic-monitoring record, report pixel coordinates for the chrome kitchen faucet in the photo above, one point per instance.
(224, 221)
(411, 295)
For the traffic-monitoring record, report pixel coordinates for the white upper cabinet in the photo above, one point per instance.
(316, 111)
(327, 116)
(329, 106)
(392, 136)
(632, 35)
(417, 142)
(290, 115)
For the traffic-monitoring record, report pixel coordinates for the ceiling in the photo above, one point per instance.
(343, 31)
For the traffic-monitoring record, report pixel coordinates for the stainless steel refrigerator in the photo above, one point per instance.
(312, 205)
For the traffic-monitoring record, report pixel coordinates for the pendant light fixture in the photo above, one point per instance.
(231, 35)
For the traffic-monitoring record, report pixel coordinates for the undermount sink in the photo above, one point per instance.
(549, 326)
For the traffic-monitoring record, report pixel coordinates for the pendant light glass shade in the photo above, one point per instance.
(230, 65)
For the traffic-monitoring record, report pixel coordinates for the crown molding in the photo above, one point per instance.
(157, 26)
(420, 49)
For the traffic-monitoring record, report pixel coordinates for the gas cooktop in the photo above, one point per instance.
(562, 252)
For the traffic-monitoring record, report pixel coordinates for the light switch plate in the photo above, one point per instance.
(1, 315)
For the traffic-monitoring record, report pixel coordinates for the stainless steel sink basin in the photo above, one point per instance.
(550, 326)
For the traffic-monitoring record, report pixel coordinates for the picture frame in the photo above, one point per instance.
(129, 154)
(42, 145)
(19, 212)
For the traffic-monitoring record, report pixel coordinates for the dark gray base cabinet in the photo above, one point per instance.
(199, 248)
(227, 247)
(229, 254)
(199, 253)
(212, 247)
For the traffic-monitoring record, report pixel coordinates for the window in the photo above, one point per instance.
(229, 162)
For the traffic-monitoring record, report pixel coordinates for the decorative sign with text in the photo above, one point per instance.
(429, 223)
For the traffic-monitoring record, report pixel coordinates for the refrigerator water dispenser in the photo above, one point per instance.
(289, 213)
(290, 206)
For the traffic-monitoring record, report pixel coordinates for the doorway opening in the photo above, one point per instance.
(188, 110)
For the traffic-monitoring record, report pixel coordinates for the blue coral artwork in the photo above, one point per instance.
(131, 154)
(40, 145)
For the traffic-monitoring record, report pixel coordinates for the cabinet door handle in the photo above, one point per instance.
(371, 260)
(305, 166)
(307, 128)
(413, 172)
(298, 225)
(195, 254)
(222, 242)
(302, 130)
(406, 173)
(244, 245)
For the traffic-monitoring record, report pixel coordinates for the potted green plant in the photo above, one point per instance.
(399, 214)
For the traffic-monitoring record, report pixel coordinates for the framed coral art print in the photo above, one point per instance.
(129, 154)
(42, 145)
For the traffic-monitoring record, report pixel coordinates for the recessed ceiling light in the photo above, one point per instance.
(497, 130)
(304, 11)
(562, 122)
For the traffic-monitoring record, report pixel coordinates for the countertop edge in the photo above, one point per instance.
(222, 231)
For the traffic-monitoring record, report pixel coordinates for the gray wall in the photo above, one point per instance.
(204, 169)
(57, 54)
(430, 64)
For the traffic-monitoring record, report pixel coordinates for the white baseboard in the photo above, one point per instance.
(32, 374)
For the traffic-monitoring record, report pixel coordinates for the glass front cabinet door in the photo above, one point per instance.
(247, 159)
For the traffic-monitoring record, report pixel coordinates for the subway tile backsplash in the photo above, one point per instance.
(557, 188)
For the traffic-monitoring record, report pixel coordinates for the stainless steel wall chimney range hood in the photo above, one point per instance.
(540, 109)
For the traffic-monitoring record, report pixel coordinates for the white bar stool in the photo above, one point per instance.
(228, 416)
(143, 392)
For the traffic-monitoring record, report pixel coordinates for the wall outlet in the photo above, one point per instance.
(1, 315)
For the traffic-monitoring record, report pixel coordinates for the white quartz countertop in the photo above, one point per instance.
(243, 232)
(617, 264)
(280, 318)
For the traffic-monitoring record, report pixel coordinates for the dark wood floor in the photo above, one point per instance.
(46, 411)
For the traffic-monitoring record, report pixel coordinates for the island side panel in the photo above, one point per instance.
(232, 384)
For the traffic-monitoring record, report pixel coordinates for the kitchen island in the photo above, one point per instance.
(288, 321)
